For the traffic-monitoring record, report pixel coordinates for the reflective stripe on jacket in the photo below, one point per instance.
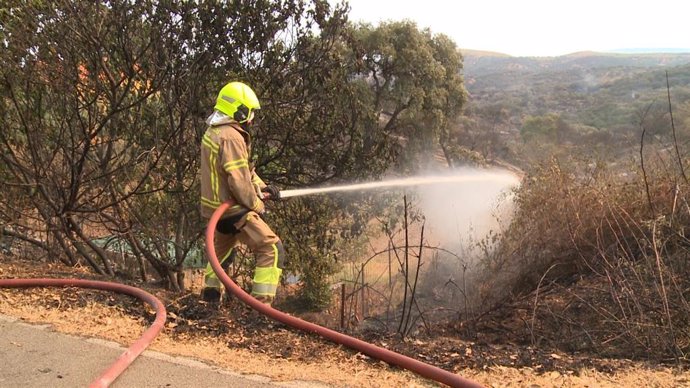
(226, 172)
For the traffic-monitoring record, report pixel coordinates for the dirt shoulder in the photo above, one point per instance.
(233, 338)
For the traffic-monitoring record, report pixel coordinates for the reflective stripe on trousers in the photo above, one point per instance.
(210, 277)
(266, 279)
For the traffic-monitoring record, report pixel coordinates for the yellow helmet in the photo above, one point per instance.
(238, 101)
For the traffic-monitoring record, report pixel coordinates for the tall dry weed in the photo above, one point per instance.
(602, 255)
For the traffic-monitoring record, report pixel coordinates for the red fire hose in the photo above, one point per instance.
(423, 369)
(114, 370)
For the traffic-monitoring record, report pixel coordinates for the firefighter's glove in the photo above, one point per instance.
(272, 191)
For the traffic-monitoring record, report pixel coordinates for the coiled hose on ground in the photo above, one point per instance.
(421, 368)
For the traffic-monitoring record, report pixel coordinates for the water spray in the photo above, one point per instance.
(404, 182)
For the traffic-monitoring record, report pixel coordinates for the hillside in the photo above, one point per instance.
(589, 98)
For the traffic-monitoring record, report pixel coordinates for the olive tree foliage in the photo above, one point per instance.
(415, 87)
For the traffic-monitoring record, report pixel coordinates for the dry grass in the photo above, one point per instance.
(607, 253)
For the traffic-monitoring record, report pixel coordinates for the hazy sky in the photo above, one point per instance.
(540, 27)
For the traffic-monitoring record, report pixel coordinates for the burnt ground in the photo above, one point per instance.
(494, 341)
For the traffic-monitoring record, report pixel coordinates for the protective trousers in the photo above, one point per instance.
(267, 249)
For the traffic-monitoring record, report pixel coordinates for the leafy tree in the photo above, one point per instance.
(550, 127)
(414, 84)
(84, 128)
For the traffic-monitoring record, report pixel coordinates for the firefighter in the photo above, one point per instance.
(228, 174)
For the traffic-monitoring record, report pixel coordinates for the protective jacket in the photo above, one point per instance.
(226, 170)
(227, 173)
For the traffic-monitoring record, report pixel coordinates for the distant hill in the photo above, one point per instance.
(651, 50)
(479, 63)
(482, 53)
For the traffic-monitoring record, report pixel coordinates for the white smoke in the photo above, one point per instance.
(461, 219)
(460, 214)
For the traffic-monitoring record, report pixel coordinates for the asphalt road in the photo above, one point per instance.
(36, 356)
